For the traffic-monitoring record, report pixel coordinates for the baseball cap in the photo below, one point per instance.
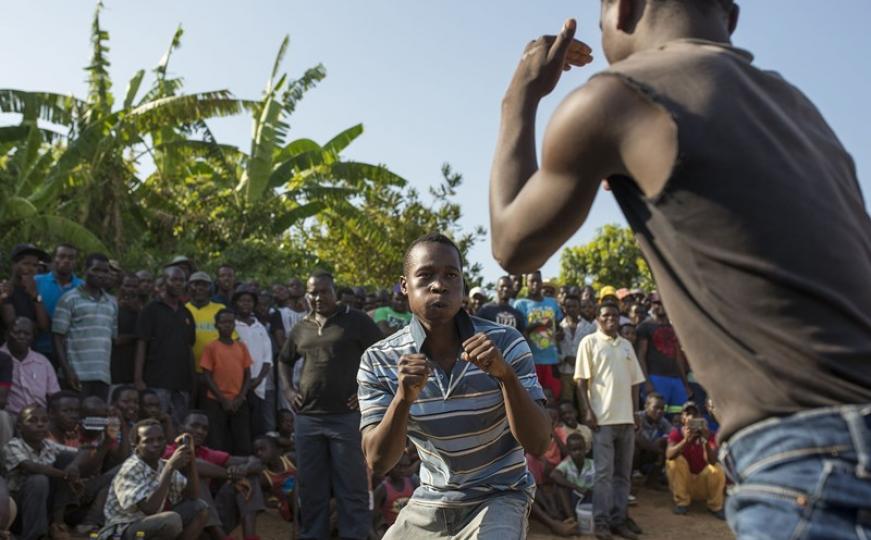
(177, 260)
(607, 290)
(690, 405)
(477, 291)
(22, 250)
(622, 293)
(200, 276)
(245, 289)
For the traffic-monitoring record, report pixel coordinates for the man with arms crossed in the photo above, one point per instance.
(706, 155)
(464, 391)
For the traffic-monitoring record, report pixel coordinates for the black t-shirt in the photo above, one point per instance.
(5, 370)
(662, 347)
(22, 302)
(170, 334)
(332, 358)
(123, 356)
(505, 315)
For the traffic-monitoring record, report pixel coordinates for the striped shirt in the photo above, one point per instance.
(458, 422)
(89, 324)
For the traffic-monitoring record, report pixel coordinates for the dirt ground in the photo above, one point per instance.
(653, 515)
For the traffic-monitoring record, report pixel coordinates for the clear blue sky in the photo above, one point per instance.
(425, 78)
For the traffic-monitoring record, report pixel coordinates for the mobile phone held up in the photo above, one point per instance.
(95, 423)
(697, 424)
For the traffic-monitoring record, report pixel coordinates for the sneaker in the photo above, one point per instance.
(719, 514)
(632, 500)
(632, 526)
(624, 532)
(681, 510)
(637, 475)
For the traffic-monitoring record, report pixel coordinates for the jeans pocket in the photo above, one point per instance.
(762, 511)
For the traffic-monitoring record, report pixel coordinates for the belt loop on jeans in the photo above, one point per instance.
(728, 462)
(861, 438)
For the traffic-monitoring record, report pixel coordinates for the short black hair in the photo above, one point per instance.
(148, 422)
(431, 238)
(65, 245)
(194, 412)
(147, 392)
(575, 436)
(224, 311)
(268, 439)
(116, 392)
(95, 257)
(654, 395)
(604, 305)
(344, 290)
(54, 399)
(321, 274)
(226, 265)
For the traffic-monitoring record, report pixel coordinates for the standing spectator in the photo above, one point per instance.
(652, 439)
(629, 333)
(255, 336)
(33, 376)
(85, 323)
(542, 316)
(477, 299)
(51, 286)
(185, 264)
(394, 317)
(516, 286)
(662, 358)
(146, 286)
(203, 309)
(574, 329)
(225, 285)
(226, 367)
(164, 354)
(501, 311)
(692, 468)
(330, 341)
(607, 373)
(124, 347)
(146, 485)
(23, 298)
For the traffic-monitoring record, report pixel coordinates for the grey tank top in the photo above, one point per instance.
(760, 242)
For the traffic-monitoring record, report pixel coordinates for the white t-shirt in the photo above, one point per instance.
(611, 369)
(259, 344)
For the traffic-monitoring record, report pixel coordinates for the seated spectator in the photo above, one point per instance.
(125, 405)
(651, 439)
(692, 468)
(8, 511)
(42, 476)
(7, 421)
(33, 377)
(146, 484)
(568, 424)
(64, 413)
(576, 472)
(278, 479)
(150, 407)
(549, 507)
(234, 480)
(286, 424)
(392, 495)
(226, 366)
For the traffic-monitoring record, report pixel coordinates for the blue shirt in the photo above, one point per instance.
(542, 340)
(458, 422)
(51, 291)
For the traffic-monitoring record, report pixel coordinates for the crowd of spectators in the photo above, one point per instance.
(176, 404)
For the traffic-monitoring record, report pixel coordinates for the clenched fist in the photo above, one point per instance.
(413, 370)
(481, 351)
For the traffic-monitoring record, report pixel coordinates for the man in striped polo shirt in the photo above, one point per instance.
(84, 325)
(464, 390)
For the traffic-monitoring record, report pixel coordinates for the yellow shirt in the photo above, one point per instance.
(206, 331)
(611, 369)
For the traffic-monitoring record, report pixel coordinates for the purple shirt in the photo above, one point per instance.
(33, 380)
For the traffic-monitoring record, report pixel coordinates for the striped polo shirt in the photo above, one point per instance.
(89, 325)
(458, 422)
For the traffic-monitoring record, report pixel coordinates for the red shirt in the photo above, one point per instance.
(693, 452)
(215, 457)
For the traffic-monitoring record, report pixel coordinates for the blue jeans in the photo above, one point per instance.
(499, 517)
(613, 449)
(805, 476)
(329, 459)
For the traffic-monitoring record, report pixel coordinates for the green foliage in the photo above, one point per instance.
(611, 258)
(368, 250)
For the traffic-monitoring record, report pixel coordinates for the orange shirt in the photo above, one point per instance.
(227, 364)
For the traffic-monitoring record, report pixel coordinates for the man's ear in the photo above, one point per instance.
(733, 18)
(403, 285)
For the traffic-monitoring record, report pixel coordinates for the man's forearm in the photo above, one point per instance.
(383, 445)
(529, 425)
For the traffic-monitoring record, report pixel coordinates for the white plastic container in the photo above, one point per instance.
(584, 513)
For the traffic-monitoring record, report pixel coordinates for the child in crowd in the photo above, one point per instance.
(549, 507)
(285, 435)
(226, 367)
(125, 405)
(392, 495)
(568, 424)
(64, 411)
(627, 332)
(576, 472)
(149, 407)
(278, 478)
